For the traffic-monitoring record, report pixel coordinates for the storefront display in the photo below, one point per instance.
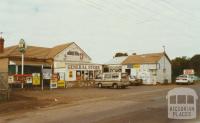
(78, 72)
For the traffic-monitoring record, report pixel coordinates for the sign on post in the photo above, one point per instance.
(46, 73)
(10, 79)
(29, 80)
(36, 79)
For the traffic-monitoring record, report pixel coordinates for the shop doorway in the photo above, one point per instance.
(128, 71)
(91, 75)
(78, 75)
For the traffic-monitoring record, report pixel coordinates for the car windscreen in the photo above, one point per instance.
(182, 76)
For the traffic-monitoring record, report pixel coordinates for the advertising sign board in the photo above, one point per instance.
(188, 71)
(46, 73)
(36, 78)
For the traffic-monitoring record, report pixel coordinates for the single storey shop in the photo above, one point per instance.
(152, 68)
(68, 60)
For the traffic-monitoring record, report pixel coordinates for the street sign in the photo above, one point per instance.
(22, 46)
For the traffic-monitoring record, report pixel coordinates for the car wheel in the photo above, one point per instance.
(100, 85)
(115, 86)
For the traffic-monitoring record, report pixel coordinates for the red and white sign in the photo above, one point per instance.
(188, 71)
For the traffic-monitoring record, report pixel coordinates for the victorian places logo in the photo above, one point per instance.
(182, 103)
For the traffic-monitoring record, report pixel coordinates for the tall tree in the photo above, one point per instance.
(178, 65)
(195, 64)
(119, 54)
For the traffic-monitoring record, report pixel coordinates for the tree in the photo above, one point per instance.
(119, 54)
(178, 65)
(195, 64)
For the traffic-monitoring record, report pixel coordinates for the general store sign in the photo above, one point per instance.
(85, 67)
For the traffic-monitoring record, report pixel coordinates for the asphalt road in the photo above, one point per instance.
(146, 105)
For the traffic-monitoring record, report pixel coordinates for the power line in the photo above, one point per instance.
(117, 10)
(182, 11)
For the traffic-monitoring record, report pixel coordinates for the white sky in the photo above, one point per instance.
(104, 27)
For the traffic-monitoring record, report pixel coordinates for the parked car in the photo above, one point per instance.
(196, 79)
(115, 80)
(185, 79)
(133, 80)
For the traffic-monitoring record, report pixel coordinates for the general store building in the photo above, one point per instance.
(69, 60)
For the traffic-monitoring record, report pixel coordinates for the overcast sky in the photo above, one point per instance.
(104, 27)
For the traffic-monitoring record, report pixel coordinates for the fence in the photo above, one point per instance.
(4, 88)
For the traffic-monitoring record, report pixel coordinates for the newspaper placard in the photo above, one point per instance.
(46, 73)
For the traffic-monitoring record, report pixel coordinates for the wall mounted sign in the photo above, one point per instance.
(85, 67)
(137, 66)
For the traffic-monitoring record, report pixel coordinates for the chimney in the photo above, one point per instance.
(1, 44)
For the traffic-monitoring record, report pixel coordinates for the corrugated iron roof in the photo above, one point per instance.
(34, 51)
(116, 60)
(144, 58)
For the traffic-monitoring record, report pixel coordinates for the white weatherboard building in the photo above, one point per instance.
(73, 64)
(151, 68)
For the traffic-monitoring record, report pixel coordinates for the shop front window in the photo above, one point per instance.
(78, 75)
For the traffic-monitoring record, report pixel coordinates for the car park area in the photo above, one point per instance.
(98, 105)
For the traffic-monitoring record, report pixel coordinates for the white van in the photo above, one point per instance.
(185, 79)
(115, 80)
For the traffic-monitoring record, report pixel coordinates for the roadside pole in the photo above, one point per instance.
(42, 79)
(22, 49)
(22, 69)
